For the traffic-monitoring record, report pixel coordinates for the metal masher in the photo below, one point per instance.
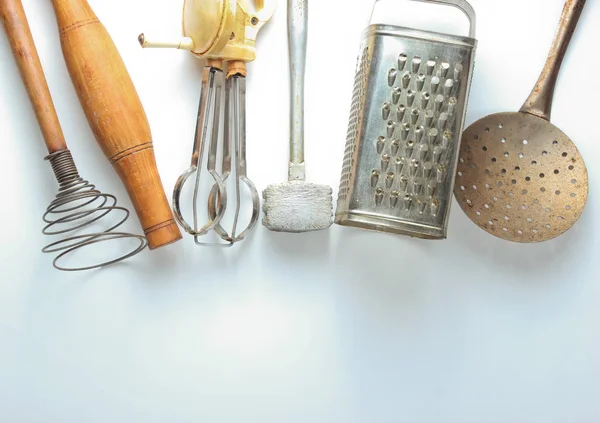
(78, 204)
(297, 205)
(408, 110)
(521, 178)
(224, 33)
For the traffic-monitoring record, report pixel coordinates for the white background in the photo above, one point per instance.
(337, 326)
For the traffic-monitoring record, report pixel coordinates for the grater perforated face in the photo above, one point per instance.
(358, 96)
(402, 148)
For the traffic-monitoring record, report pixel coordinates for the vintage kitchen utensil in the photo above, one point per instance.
(408, 109)
(296, 205)
(115, 114)
(224, 33)
(78, 203)
(520, 178)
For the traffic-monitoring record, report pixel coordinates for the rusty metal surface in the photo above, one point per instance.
(539, 102)
(520, 178)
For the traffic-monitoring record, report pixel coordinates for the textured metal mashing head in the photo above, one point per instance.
(408, 109)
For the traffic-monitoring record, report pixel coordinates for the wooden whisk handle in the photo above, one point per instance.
(115, 114)
(26, 55)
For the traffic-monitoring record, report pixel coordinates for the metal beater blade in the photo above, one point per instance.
(208, 121)
(235, 136)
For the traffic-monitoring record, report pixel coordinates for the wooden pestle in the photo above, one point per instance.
(26, 56)
(115, 114)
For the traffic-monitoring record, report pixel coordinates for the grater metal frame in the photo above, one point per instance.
(396, 177)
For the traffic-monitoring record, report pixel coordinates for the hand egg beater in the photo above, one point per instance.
(224, 34)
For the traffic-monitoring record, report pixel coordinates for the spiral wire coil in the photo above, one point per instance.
(78, 205)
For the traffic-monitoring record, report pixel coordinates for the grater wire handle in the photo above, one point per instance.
(297, 40)
(462, 5)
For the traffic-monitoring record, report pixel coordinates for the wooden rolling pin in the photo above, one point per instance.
(115, 114)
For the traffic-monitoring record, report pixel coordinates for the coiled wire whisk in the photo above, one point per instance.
(78, 205)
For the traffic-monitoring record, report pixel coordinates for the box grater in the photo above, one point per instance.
(408, 110)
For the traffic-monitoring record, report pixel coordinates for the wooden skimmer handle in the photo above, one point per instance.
(26, 55)
(115, 114)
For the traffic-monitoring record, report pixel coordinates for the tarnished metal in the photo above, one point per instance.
(398, 171)
(520, 178)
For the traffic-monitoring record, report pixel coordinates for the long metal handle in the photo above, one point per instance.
(539, 102)
(297, 39)
(462, 5)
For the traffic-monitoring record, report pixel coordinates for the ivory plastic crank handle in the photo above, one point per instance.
(23, 48)
(115, 114)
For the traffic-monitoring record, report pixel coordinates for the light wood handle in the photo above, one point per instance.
(26, 55)
(115, 114)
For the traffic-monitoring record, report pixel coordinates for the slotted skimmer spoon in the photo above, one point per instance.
(520, 178)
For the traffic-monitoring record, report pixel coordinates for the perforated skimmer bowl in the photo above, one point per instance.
(520, 178)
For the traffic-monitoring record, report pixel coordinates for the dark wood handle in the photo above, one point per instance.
(115, 114)
(26, 55)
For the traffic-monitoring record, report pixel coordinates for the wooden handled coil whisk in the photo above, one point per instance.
(78, 203)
